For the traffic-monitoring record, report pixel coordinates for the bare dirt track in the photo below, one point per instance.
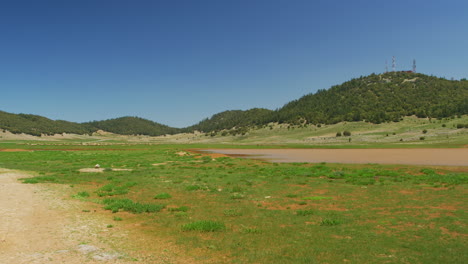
(431, 157)
(36, 227)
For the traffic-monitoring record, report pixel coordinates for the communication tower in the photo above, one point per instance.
(414, 66)
(386, 66)
(393, 64)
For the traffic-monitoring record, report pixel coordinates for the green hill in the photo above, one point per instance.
(379, 98)
(133, 126)
(374, 98)
(233, 118)
(37, 125)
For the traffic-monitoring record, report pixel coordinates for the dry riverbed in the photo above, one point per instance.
(431, 157)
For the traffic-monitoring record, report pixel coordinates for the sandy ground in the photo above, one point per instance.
(442, 157)
(36, 227)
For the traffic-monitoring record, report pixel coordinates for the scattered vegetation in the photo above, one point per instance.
(301, 213)
(128, 205)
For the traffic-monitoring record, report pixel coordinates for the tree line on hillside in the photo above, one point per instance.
(37, 125)
(133, 126)
(232, 118)
(375, 98)
(380, 98)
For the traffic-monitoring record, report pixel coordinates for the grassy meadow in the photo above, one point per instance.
(217, 209)
(410, 132)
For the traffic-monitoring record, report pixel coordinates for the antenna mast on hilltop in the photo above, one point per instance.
(386, 66)
(393, 64)
(414, 66)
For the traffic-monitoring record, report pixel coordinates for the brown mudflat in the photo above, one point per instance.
(434, 157)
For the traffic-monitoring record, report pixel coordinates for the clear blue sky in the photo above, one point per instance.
(177, 62)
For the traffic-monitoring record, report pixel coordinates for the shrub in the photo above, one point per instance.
(111, 189)
(330, 222)
(236, 196)
(251, 230)
(162, 196)
(232, 212)
(81, 195)
(338, 134)
(346, 133)
(204, 226)
(316, 198)
(128, 205)
(304, 212)
(193, 187)
(206, 159)
(424, 131)
(39, 179)
(178, 209)
(422, 138)
(236, 189)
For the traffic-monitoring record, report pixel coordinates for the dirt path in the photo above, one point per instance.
(36, 227)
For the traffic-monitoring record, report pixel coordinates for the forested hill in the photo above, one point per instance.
(232, 118)
(133, 126)
(374, 98)
(379, 98)
(38, 125)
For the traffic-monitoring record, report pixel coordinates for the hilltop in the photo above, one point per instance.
(132, 126)
(380, 98)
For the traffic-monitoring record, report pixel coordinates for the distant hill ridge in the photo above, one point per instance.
(375, 98)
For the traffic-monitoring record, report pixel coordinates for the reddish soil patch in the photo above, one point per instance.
(445, 207)
(451, 233)
(13, 150)
(212, 155)
(320, 191)
(436, 157)
(341, 237)
(407, 192)
(215, 155)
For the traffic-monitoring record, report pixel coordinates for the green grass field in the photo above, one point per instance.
(228, 210)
